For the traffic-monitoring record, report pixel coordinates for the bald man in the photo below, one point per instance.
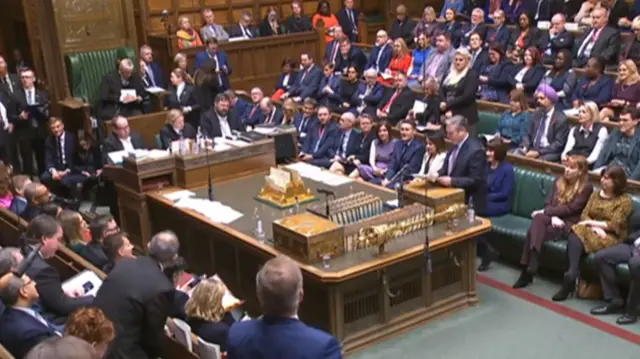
(381, 53)
(556, 39)
(347, 146)
(252, 114)
(279, 330)
(272, 114)
(37, 195)
(602, 40)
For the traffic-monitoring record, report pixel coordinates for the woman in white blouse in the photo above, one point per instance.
(434, 156)
(587, 138)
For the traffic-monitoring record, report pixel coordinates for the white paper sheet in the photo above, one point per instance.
(116, 157)
(178, 195)
(572, 112)
(155, 89)
(419, 106)
(127, 92)
(215, 211)
(87, 280)
(267, 131)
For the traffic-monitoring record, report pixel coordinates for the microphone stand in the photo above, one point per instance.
(427, 252)
(209, 181)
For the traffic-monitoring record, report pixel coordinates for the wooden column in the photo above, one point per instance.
(51, 52)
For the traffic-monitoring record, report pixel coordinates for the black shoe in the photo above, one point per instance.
(490, 256)
(567, 289)
(524, 280)
(627, 319)
(609, 308)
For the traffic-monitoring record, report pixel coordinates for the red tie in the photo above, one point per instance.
(253, 110)
(304, 74)
(393, 98)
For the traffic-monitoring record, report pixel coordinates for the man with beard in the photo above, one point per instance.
(218, 121)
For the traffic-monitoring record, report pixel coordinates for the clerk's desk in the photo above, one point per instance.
(360, 298)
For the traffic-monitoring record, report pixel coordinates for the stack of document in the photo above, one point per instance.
(267, 131)
(319, 175)
(178, 195)
(215, 211)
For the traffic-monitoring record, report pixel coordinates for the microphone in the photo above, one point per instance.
(209, 181)
(26, 263)
(165, 14)
(326, 192)
(400, 174)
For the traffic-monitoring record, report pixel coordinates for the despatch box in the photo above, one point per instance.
(307, 237)
(438, 198)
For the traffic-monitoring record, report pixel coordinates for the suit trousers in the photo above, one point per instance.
(28, 144)
(606, 260)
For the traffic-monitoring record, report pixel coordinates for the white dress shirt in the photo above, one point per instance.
(225, 130)
(4, 121)
(180, 90)
(436, 164)
(127, 144)
(30, 95)
(595, 152)
(547, 122)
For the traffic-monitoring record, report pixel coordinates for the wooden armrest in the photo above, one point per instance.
(73, 103)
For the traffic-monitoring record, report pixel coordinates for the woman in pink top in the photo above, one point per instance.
(5, 186)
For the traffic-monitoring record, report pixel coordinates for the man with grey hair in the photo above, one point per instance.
(252, 115)
(556, 39)
(10, 258)
(602, 40)
(244, 28)
(122, 92)
(279, 330)
(210, 29)
(272, 114)
(348, 145)
(67, 347)
(137, 296)
(152, 71)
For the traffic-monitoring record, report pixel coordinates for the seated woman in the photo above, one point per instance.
(184, 97)
(289, 111)
(368, 136)
(588, 138)
(603, 223)
(626, 91)
(562, 207)
(379, 155)
(493, 78)
(594, 85)
(458, 90)
(514, 124)
(75, 231)
(205, 314)
(323, 11)
(451, 26)
(562, 78)
(286, 79)
(631, 50)
(428, 25)
(176, 129)
(525, 36)
(419, 54)
(270, 25)
(501, 183)
(329, 86)
(187, 36)
(526, 76)
(91, 325)
(346, 89)
(400, 62)
(430, 117)
(5, 186)
(180, 62)
(433, 157)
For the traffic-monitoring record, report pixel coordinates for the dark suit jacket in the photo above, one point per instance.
(530, 80)
(333, 47)
(292, 79)
(631, 50)
(619, 10)
(280, 338)
(453, 29)
(563, 40)
(36, 125)
(531, 39)
(94, 253)
(158, 76)
(600, 92)
(30, 212)
(501, 185)
(274, 117)
(137, 297)
(372, 99)
(498, 36)
(300, 24)
(469, 172)
(333, 82)
(188, 97)
(16, 84)
(606, 46)
(350, 28)
(303, 128)
(411, 156)
(236, 31)
(556, 134)
(355, 58)
(18, 205)
(467, 29)
(481, 61)
(543, 9)
(401, 106)
(403, 30)
(385, 58)
(210, 125)
(365, 147)
(252, 115)
(56, 305)
(464, 100)
(51, 155)
(608, 152)
(306, 85)
(168, 134)
(110, 96)
(267, 30)
(112, 143)
(222, 59)
(21, 332)
(212, 332)
(326, 146)
(353, 144)
(498, 80)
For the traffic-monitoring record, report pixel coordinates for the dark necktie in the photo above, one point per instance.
(452, 159)
(60, 159)
(303, 123)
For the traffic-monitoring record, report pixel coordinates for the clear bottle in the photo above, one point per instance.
(471, 213)
(260, 235)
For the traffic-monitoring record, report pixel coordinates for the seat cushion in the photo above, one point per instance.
(511, 225)
(488, 122)
(531, 190)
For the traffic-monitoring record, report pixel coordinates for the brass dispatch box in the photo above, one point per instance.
(307, 237)
(436, 197)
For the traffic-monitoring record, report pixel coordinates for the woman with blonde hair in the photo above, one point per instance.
(289, 109)
(187, 36)
(75, 231)
(428, 25)
(626, 91)
(458, 90)
(175, 129)
(589, 136)
(205, 314)
(562, 208)
(180, 62)
(400, 62)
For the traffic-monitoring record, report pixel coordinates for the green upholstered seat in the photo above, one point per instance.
(488, 122)
(158, 141)
(85, 70)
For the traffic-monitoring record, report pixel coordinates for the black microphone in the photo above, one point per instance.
(326, 192)
(399, 174)
(210, 182)
(26, 263)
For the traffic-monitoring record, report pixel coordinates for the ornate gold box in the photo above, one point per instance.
(307, 237)
(438, 198)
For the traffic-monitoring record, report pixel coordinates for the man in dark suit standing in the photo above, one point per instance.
(548, 128)
(465, 165)
(556, 39)
(279, 333)
(101, 226)
(6, 128)
(348, 19)
(319, 147)
(30, 122)
(220, 61)
(602, 40)
(137, 297)
(244, 28)
(272, 114)
(307, 82)
(122, 93)
(152, 71)
(218, 121)
(397, 101)
(57, 304)
(9, 83)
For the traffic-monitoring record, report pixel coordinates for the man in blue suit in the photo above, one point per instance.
(272, 114)
(222, 63)
(238, 105)
(153, 71)
(319, 145)
(306, 120)
(381, 54)
(407, 156)
(499, 34)
(22, 327)
(332, 50)
(252, 114)
(348, 19)
(465, 165)
(307, 82)
(19, 201)
(368, 95)
(279, 333)
(347, 145)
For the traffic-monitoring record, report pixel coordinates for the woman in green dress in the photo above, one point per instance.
(75, 231)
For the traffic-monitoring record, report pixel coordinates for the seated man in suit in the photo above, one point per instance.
(101, 226)
(272, 114)
(476, 25)
(278, 333)
(347, 145)
(44, 231)
(117, 247)
(381, 54)
(479, 56)
(210, 29)
(594, 85)
(122, 93)
(548, 129)
(152, 70)
(220, 59)
(176, 129)
(252, 115)
(465, 164)
(218, 121)
(306, 119)
(19, 202)
(236, 104)
(499, 34)
(22, 327)
(397, 101)
(602, 40)
(319, 145)
(59, 155)
(37, 195)
(121, 139)
(406, 159)
(307, 82)
(332, 50)
(350, 55)
(244, 28)
(556, 39)
(368, 95)
(348, 20)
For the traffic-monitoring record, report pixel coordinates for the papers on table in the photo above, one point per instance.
(126, 93)
(572, 112)
(117, 157)
(267, 131)
(229, 142)
(419, 106)
(571, 26)
(87, 280)
(319, 175)
(155, 89)
(214, 211)
(178, 195)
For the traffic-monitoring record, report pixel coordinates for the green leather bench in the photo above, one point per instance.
(85, 70)
(488, 122)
